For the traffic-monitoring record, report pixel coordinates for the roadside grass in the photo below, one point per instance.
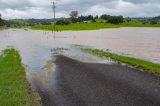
(14, 88)
(135, 62)
(91, 26)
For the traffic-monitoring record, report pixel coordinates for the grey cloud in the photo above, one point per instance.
(14, 4)
(42, 8)
(143, 1)
(84, 4)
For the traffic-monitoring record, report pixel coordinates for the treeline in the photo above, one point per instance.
(79, 19)
(112, 19)
(76, 18)
(155, 20)
(144, 20)
(27, 22)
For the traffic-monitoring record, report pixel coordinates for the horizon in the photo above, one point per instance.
(69, 17)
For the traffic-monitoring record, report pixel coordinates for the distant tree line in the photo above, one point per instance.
(76, 18)
(63, 22)
(87, 18)
(109, 19)
(144, 20)
(27, 22)
(155, 20)
(112, 19)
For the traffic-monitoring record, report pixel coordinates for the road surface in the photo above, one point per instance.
(91, 84)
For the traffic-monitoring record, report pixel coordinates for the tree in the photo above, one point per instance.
(85, 18)
(74, 15)
(105, 16)
(1, 21)
(81, 18)
(153, 22)
(115, 19)
(90, 17)
(96, 17)
(62, 22)
(128, 19)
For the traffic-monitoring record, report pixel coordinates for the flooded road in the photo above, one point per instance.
(137, 42)
(39, 50)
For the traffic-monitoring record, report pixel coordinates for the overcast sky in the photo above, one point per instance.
(42, 8)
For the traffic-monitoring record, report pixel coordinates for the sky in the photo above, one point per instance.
(15, 9)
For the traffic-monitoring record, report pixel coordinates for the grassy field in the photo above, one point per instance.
(2, 27)
(14, 88)
(80, 26)
(137, 63)
(91, 26)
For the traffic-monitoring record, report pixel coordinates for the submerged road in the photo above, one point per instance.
(91, 84)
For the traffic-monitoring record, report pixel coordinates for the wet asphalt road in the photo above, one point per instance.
(90, 84)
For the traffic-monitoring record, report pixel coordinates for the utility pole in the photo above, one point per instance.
(54, 10)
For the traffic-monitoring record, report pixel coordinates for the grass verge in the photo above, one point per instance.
(137, 63)
(14, 88)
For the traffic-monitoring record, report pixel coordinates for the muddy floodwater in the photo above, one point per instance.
(137, 42)
(39, 48)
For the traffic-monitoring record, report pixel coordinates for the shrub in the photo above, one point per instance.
(62, 22)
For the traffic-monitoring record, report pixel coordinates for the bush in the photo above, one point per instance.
(115, 19)
(153, 22)
(85, 18)
(1, 22)
(105, 16)
(62, 22)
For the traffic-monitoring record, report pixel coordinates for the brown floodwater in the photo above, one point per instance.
(138, 42)
(38, 48)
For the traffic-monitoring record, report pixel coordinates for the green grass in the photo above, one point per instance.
(138, 24)
(79, 26)
(2, 27)
(14, 88)
(137, 63)
(91, 26)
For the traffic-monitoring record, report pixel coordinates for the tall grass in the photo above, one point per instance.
(137, 63)
(14, 88)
